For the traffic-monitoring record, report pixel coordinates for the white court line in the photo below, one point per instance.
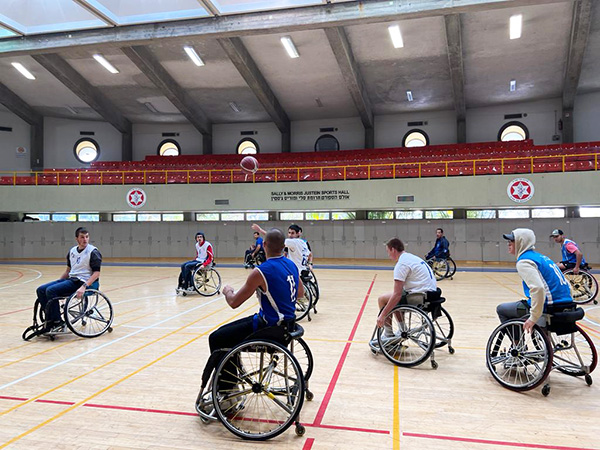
(73, 358)
(23, 282)
(589, 320)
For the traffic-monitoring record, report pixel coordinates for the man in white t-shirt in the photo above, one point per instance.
(296, 248)
(412, 276)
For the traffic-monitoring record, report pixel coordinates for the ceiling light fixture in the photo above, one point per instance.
(409, 96)
(516, 24)
(513, 85)
(396, 36)
(26, 73)
(151, 107)
(234, 107)
(108, 66)
(191, 52)
(289, 46)
(71, 110)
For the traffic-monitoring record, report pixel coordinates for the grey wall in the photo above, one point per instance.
(10, 140)
(441, 127)
(350, 133)
(149, 136)
(473, 240)
(586, 117)
(226, 137)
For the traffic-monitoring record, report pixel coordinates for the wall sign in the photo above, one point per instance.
(136, 198)
(289, 196)
(520, 190)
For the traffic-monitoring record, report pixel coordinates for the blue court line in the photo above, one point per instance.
(239, 266)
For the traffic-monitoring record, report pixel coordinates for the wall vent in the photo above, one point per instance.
(9, 129)
(248, 133)
(405, 198)
(170, 134)
(513, 116)
(328, 129)
(87, 133)
(222, 202)
(416, 124)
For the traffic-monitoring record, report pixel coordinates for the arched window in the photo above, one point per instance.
(247, 146)
(86, 150)
(513, 131)
(169, 147)
(415, 138)
(327, 143)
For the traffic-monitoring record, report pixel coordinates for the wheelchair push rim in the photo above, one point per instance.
(89, 316)
(268, 394)
(439, 267)
(518, 360)
(584, 286)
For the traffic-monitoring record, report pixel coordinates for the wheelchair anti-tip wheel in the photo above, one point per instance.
(584, 286)
(408, 337)
(89, 316)
(574, 353)
(259, 390)
(207, 281)
(518, 360)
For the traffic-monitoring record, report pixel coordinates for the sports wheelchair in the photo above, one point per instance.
(442, 267)
(311, 295)
(257, 388)
(252, 261)
(584, 287)
(206, 281)
(89, 316)
(522, 361)
(416, 330)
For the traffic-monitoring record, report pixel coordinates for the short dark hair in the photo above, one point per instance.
(256, 233)
(441, 230)
(275, 240)
(81, 230)
(199, 233)
(395, 244)
(295, 227)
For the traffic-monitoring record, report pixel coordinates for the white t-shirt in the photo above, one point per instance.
(416, 274)
(298, 252)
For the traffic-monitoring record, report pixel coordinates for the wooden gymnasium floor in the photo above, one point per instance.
(135, 388)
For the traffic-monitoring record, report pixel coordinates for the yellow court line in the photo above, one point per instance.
(14, 348)
(590, 330)
(519, 293)
(396, 424)
(110, 386)
(108, 363)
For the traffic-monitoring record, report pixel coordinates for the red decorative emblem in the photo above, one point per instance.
(520, 190)
(136, 198)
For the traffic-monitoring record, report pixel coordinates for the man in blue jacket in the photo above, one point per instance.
(441, 248)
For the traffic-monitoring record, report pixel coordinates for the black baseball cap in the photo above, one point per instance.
(556, 232)
(509, 237)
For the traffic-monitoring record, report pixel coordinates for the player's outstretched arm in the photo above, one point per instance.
(256, 227)
(235, 299)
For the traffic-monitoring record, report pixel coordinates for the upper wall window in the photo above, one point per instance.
(247, 146)
(327, 143)
(169, 147)
(513, 131)
(415, 138)
(86, 150)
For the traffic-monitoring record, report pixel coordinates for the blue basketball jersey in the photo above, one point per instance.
(570, 257)
(556, 286)
(278, 301)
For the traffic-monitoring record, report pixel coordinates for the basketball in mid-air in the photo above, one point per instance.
(249, 164)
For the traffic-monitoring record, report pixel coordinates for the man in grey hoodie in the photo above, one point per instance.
(543, 282)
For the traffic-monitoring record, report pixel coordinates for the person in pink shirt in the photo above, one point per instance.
(572, 258)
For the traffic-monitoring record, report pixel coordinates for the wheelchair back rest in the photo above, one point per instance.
(95, 285)
(434, 296)
(282, 334)
(564, 322)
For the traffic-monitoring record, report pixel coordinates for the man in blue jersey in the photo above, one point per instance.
(83, 268)
(572, 258)
(441, 247)
(252, 253)
(543, 282)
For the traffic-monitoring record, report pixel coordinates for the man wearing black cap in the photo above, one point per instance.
(543, 282)
(572, 258)
(204, 256)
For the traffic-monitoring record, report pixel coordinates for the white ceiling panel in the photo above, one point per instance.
(244, 6)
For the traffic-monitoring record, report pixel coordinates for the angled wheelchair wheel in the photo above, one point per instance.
(316, 283)
(574, 353)
(412, 337)
(206, 282)
(584, 287)
(440, 268)
(258, 390)
(518, 360)
(303, 355)
(451, 267)
(89, 316)
(304, 304)
(444, 328)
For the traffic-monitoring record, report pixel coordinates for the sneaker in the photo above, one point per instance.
(387, 335)
(56, 327)
(205, 407)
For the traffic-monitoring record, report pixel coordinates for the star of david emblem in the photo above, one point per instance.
(136, 198)
(520, 190)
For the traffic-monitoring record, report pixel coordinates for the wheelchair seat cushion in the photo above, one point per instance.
(564, 322)
(282, 334)
(559, 307)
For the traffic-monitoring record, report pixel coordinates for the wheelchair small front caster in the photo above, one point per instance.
(451, 350)
(588, 379)
(300, 429)
(109, 329)
(52, 337)
(309, 395)
(184, 293)
(546, 390)
(434, 364)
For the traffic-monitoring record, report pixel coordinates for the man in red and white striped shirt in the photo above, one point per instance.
(204, 257)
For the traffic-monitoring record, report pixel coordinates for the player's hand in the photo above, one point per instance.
(528, 325)
(575, 270)
(228, 290)
(380, 320)
(81, 291)
(256, 227)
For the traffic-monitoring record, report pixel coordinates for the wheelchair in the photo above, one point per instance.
(417, 330)
(251, 262)
(206, 280)
(442, 267)
(522, 361)
(88, 317)
(584, 287)
(257, 389)
(309, 280)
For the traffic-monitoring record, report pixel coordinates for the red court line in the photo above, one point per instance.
(338, 369)
(14, 279)
(12, 312)
(308, 444)
(491, 442)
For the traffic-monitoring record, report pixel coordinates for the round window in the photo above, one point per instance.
(327, 143)
(169, 148)
(247, 147)
(86, 150)
(415, 138)
(513, 131)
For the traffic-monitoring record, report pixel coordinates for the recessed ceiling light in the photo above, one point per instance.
(26, 73)
(409, 96)
(289, 46)
(396, 36)
(151, 107)
(108, 66)
(191, 52)
(516, 24)
(234, 107)
(513, 85)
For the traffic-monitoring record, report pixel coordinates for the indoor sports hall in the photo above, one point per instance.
(182, 132)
